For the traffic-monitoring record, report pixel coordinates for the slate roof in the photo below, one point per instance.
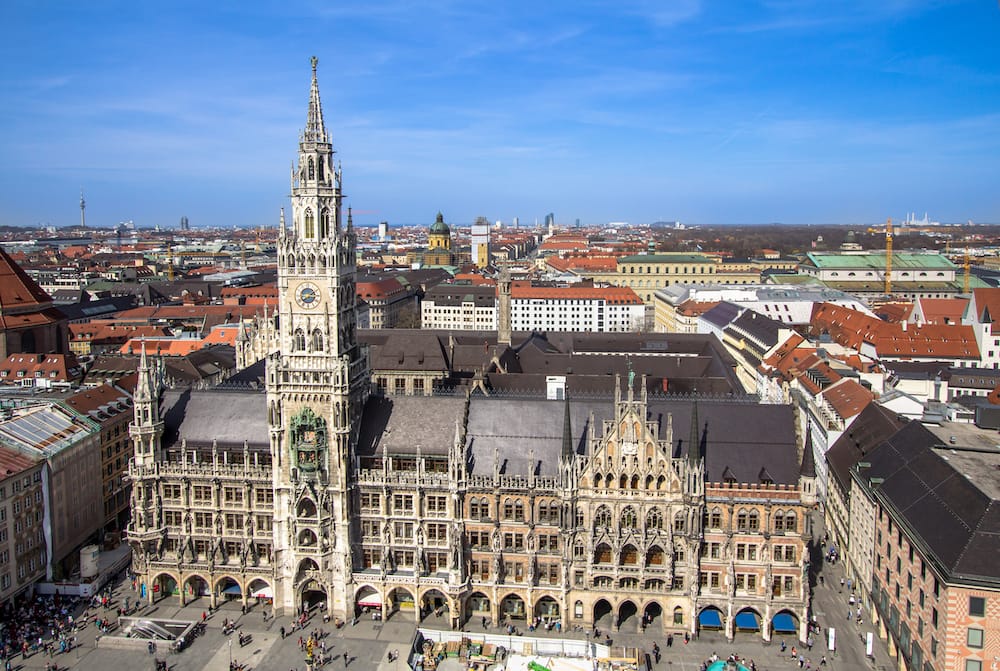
(404, 424)
(946, 496)
(722, 314)
(874, 425)
(201, 416)
(741, 437)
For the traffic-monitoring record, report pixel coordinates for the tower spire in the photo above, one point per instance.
(315, 128)
(567, 438)
(694, 440)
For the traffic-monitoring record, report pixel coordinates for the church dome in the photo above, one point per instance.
(439, 226)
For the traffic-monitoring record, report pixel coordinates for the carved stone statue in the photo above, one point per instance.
(531, 541)
(496, 540)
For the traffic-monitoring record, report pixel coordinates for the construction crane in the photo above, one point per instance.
(888, 256)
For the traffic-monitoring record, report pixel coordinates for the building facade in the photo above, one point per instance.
(325, 489)
(22, 529)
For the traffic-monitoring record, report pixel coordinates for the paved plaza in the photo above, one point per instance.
(367, 643)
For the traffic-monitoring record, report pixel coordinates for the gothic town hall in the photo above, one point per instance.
(322, 488)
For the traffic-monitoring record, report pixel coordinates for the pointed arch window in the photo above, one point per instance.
(298, 341)
(310, 224)
(754, 520)
(602, 520)
(317, 340)
(790, 522)
(680, 524)
(654, 520)
(324, 222)
(312, 169)
(321, 172)
(741, 520)
(628, 518)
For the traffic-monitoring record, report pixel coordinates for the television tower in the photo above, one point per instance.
(83, 206)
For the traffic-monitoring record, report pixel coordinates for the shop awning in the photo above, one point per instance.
(747, 621)
(710, 618)
(783, 623)
(232, 589)
(370, 602)
(264, 593)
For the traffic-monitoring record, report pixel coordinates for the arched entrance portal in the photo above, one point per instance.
(547, 608)
(512, 608)
(259, 593)
(710, 618)
(478, 607)
(400, 600)
(602, 614)
(367, 601)
(747, 621)
(164, 585)
(227, 589)
(195, 587)
(312, 595)
(434, 608)
(652, 616)
(628, 619)
(785, 622)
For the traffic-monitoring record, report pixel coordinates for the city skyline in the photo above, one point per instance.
(796, 112)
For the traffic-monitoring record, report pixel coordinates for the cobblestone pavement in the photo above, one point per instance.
(367, 643)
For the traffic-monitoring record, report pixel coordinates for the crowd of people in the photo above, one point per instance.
(39, 624)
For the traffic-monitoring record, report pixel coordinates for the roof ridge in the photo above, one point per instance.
(974, 531)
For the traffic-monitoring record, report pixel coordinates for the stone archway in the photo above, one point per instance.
(312, 594)
(547, 607)
(628, 617)
(400, 600)
(603, 614)
(652, 616)
(512, 608)
(162, 586)
(227, 589)
(195, 587)
(478, 606)
(747, 621)
(367, 600)
(259, 592)
(435, 608)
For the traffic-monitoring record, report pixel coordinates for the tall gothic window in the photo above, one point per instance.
(298, 341)
(628, 518)
(324, 222)
(317, 340)
(310, 224)
(312, 169)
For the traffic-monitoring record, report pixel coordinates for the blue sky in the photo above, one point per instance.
(736, 111)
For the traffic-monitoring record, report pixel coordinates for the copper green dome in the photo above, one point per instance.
(439, 226)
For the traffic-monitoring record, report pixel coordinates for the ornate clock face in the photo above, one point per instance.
(307, 295)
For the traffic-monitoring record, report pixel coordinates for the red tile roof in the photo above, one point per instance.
(51, 367)
(942, 310)
(848, 398)
(851, 328)
(17, 290)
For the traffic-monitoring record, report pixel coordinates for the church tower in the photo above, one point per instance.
(317, 381)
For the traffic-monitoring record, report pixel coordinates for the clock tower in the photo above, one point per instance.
(317, 381)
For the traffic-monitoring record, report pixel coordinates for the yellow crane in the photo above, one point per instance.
(888, 256)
